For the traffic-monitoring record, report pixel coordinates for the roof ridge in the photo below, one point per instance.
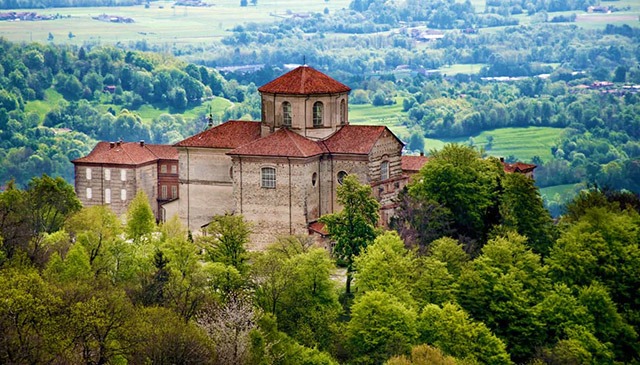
(293, 139)
(125, 151)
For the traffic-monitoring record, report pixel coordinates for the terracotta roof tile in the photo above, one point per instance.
(128, 153)
(231, 134)
(356, 139)
(164, 151)
(413, 163)
(304, 80)
(318, 227)
(283, 143)
(518, 167)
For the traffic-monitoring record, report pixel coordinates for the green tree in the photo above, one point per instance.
(104, 326)
(416, 142)
(464, 183)
(380, 327)
(225, 240)
(420, 221)
(293, 282)
(522, 209)
(354, 227)
(167, 339)
(30, 331)
(424, 355)
(96, 228)
(52, 201)
(501, 288)
(450, 329)
(386, 266)
(140, 219)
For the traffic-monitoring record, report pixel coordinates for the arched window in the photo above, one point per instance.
(384, 170)
(317, 114)
(268, 177)
(343, 112)
(286, 114)
(341, 176)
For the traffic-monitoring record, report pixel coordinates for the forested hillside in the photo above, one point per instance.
(476, 275)
(57, 101)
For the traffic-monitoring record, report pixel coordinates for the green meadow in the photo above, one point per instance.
(522, 143)
(161, 24)
(563, 191)
(389, 115)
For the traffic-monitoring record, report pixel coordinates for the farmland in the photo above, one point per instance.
(161, 24)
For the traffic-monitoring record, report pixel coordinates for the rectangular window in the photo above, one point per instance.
(123, 194)
(268, 177)
(174, 169)
(107, 174)
(88, 173)
(384, 170)
(89, 193)
(164, 192)
(163, 169)
(123, 174)
(174, 192)
(107, 196)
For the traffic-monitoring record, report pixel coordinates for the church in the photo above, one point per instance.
(282, 172)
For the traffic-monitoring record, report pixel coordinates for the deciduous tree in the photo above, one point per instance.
(354, 227)
(380, 327)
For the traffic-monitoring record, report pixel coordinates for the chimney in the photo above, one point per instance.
(421, 153)
(501, 159)
(142, 143)
(112, 144)
(118, 143)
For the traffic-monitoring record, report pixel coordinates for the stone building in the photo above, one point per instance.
(282, 172)
(114, 172)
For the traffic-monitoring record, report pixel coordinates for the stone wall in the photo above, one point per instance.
(141, 178)
(285, 209)
(205, 185)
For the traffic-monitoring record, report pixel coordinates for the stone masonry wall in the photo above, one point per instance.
(205, 185)
(282, 210)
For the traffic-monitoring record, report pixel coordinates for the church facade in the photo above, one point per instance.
(282, 172)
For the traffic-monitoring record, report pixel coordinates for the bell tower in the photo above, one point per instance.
(306, 101)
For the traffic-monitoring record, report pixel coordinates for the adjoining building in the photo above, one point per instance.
(114, 172)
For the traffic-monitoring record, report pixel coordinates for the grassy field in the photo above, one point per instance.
(42, 107)
(467, 68)
(564, 191)
(161, 23)
(523, 143)
(388, 115)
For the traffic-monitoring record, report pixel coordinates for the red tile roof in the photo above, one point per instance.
(231, 134)
(281, 143)
(318, 227)
(128, 153)
(518, 167)
(304, 80)
(413, 163)
(355, 139)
